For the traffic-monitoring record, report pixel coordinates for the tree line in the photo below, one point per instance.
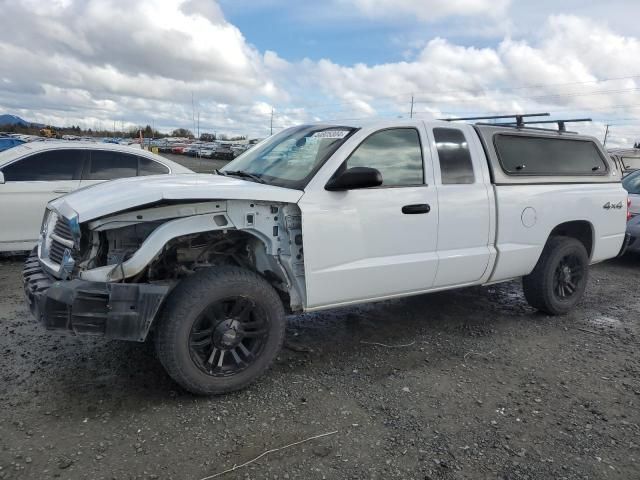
(133, 132)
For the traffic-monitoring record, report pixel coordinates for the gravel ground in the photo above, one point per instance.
(479, 386)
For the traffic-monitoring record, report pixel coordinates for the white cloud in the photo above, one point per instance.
(572, 68)
(108, 58)
(428, 10)
(92, 62)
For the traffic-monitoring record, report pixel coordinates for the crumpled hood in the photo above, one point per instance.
(118, 195)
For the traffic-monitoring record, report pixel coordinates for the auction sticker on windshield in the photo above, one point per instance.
(331, 134)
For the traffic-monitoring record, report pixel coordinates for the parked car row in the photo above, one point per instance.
(218, 150)
(9, 142)
(21, 136)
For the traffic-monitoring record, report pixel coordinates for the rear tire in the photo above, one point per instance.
(559, 279)
(220, 329)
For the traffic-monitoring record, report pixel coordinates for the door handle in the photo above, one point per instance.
(62, 190)
(416, 209)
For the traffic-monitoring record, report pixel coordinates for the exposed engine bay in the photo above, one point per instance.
(164, 243)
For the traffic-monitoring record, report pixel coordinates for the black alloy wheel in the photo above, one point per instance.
(567, 276)
(228, 336)
(220, 329)
(559, 279)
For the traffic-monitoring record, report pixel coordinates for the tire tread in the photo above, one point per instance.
(537, 290)
(187, 295)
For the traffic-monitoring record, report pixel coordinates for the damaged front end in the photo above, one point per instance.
(115, 310)
(110, 276)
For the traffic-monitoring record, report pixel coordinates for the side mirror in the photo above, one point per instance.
(1, 178)
(354, 178)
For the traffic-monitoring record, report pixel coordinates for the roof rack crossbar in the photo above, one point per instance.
(561, 123)
(518, 116)
(513, 125)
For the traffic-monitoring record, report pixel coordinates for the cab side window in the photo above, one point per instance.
(396, 153)
(55, 165)
(454, 155)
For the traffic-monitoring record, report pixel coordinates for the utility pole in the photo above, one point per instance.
(411, 114)
(271, 120)
(606, 134)
(193, 113)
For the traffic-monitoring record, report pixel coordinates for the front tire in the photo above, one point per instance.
(559, 279)
(220, 329)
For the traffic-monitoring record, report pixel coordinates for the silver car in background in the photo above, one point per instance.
(627, 159)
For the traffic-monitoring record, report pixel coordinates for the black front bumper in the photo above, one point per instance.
(123, 311)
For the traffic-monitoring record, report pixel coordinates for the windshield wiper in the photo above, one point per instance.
(242, 174)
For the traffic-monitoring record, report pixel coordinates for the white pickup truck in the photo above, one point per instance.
(316, 217)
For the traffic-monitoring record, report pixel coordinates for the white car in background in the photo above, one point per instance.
(628, 159)
(33, 174)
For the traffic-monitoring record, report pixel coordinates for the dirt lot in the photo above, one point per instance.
(483, 387)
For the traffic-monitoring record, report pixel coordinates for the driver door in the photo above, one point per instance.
(378, 242)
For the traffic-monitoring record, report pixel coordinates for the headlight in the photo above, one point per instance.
(49, 223)
(45, 220)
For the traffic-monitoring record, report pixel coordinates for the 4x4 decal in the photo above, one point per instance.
(609, 206)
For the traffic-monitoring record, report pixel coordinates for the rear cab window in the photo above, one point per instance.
(546, 156)
(454, 156)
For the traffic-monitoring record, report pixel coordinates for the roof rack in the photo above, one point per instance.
(561, 123)
(518, 116)
(521, 123)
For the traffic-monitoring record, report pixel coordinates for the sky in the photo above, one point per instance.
(231, 63)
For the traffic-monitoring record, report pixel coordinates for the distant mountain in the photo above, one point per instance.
(13, 120)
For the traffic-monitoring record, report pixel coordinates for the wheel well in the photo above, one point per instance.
(581, 230)
(184, 255)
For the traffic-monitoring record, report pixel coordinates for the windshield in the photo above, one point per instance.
(290, 158)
